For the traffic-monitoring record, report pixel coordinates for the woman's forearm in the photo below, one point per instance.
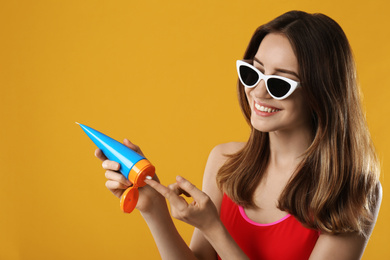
(223, 243)
(168, 240)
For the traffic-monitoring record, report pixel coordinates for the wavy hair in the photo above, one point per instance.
(335, 186)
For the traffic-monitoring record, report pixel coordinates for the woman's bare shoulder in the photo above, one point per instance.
(219, 155)
(224, 149)
(216, 160)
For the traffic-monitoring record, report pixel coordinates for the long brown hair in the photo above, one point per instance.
(336, 184)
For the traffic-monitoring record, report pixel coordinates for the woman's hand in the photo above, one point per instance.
(201, 213)
(117, 183)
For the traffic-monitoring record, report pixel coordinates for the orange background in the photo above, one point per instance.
(161, 73)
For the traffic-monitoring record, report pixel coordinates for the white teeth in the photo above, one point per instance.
(265, 109)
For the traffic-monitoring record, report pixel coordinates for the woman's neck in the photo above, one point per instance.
(287, 147)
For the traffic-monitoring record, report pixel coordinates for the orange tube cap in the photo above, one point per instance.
(129, 199)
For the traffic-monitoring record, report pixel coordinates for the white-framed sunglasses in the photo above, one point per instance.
(277, 86)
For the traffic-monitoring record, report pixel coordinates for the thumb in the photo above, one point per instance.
(132, 146)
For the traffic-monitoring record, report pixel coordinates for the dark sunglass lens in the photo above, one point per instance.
(278, 87)
(248, 75)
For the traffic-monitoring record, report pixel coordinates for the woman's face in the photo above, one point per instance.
(275, 56)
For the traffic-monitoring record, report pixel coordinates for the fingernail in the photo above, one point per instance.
(179, 178)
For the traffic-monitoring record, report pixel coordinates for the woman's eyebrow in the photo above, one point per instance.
(278, 69)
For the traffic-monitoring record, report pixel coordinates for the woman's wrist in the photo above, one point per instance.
(157, 206)
(213, 231)
(168, 240)
(222, 242)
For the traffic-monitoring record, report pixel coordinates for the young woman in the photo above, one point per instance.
(306, 183)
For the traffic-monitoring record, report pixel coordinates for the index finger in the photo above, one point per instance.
(175, 200)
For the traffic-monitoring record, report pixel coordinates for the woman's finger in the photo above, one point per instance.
(176, 201)
(118, 177)
(114, 185)
(190, 188)
(111, 165)
(177, 190)
(132, 146)
(100, 155)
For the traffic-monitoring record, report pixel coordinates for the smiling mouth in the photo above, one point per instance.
(266, 109)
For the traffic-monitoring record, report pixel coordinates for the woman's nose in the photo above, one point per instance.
(260, 90)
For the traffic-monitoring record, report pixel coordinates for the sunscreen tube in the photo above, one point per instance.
(133, 166)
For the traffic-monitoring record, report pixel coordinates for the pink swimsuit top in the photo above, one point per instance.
(284, 239)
